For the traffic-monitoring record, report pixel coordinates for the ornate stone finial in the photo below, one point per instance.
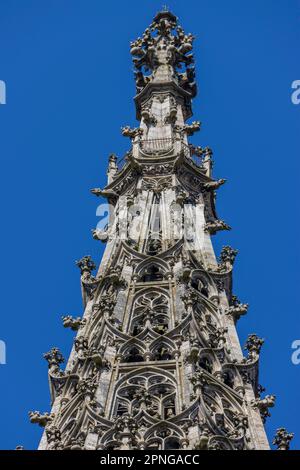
(253, 346)
(143, 398)
(282, 439)
(105, 305)
(189, 298)
(86, 264)
(126, 424)
(164, 49)
(87, 388)
(112, 169)
(112, 158)
(54, 358)
(208, 153)
(89, 283)
(198, 381)
(53, 435)
(227, 256)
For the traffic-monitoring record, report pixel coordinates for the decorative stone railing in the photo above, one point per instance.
(156, 146)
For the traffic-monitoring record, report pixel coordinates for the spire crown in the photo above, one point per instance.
(166, 17)
(163, 54)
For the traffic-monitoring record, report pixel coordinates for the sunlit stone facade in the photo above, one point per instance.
(156, 361)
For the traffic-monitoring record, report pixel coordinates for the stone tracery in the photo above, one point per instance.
(156, 362)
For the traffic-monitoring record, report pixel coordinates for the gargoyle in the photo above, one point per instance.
(216, 226)
(73, 323)
(41, 419)
(263, 405)
(213, 185)
(101, 235)
(237, 309)
(132, 133)
(190, 129)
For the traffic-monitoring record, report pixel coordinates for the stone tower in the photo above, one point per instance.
(156, 361)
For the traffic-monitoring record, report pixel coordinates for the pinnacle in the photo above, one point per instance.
(165, 13)
(157, 342)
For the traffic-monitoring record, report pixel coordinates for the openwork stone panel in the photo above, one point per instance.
(156, 361)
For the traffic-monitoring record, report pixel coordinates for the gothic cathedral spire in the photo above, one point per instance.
(156, 361)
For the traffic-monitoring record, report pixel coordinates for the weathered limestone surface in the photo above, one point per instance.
(156, 362)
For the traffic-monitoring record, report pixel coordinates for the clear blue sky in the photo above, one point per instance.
(70, 87)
